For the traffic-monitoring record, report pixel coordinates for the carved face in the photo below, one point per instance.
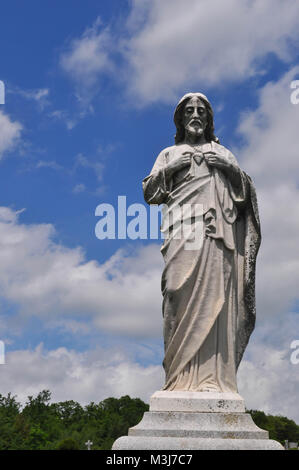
(195, 116)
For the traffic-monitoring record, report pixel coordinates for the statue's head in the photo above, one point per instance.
(181, 117)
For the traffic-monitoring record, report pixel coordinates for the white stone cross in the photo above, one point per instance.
(88, 444)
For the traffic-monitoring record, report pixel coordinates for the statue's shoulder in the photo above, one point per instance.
(225, 152)
(170, 149)
(167, 153)
(220, 148)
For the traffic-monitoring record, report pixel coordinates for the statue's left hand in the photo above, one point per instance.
(218, 161)
(224, 165)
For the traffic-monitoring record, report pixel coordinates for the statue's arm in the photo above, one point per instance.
(234, 173)
(157, 185)
(238, 180)
(225, 161)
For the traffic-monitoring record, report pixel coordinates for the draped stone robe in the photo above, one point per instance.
(208, 291)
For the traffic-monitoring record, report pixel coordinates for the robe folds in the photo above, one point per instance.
(208, 290)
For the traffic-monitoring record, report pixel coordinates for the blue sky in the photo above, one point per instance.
(90, 92)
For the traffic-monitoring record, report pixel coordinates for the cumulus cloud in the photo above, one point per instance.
(64, 116)
(49, 164)
(121, 296)
(163, 48)
(271, 133)
(268, 381)
(39, 95)
(46, 279)
(10, 133)
(83, 162)
(174, 45)
(94, 375)
(87, 58)
(83, 377)
(270, 156)
(79, 188)
(267, 378)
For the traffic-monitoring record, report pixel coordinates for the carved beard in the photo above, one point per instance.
(197, 130)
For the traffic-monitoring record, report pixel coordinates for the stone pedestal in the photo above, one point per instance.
(196, 421)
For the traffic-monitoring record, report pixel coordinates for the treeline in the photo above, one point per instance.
(41, 425)
(65, 425)
(280, 428)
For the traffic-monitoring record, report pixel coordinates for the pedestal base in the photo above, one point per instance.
(196, 420)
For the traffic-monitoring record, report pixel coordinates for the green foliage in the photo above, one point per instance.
(65, 425)
(280, 428)
(68, 444)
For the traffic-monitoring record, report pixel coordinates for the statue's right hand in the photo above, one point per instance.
(178, 163)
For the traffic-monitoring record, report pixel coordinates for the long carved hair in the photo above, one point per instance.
(178, 118)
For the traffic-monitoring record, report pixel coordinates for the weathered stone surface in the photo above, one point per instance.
(169, 443)
(208, 287)
(196, 420)
(197, 402)
(208, 283)
(205, 425)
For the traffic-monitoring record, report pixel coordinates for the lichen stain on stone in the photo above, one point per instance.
(231, 419)
(230, 435)
(221, 404)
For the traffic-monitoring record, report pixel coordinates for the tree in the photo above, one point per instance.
(280, 428)
(67, 425)
(68, 444)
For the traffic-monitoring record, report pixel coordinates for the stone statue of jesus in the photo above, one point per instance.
(208, 292)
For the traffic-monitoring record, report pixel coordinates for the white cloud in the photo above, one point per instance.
(64, 116)
(49, 164)
(10, 133)
(269, 382)
(79, 188)
(97, 374)
(122, 295)
(84, 162)
(267, 378)
(270, 156)
(83, 377)
(176, 45)
(270, 132)
(95, 164)
(164, 48)
(39, 95)
(48, 280)
(87, 58)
